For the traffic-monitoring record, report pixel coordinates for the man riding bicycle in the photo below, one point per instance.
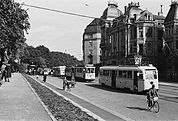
(152, 92)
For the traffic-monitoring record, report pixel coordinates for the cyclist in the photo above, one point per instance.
(64, 83)
(152, 92)
(73, 81)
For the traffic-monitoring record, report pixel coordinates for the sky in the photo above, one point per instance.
(62, 32)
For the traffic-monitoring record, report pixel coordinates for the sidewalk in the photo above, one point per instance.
(19, 103)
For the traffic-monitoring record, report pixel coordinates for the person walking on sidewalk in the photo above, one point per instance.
(3, 71)
(45, 75)
(7, 72)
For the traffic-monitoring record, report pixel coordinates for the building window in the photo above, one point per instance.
(160, 34)
(110, 39)
(131, 48)
(140, 49)
(90, 51)
(176, 44)
(140, 31)
(133, 32)
(149, 32)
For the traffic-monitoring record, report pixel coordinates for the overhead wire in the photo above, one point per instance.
(59, 11)
(64, 12)
(74, 14)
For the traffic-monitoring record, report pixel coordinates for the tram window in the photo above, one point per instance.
(120, 73)
(84, 70)
(124, 73)
(88, 70)
(101, 72)
(92, 70)
(140, 75)
(105, 72)
(115, 73)
(155, 75)
(129, 74)
(81, 70)
(150, 74)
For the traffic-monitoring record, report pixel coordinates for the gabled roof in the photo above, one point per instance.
(173, 13)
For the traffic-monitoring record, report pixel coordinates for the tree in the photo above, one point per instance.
(13, 25)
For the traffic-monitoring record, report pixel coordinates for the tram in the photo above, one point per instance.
(59, 71)
(32, 69)
(84, 73)
(135, 78)
(69, 72)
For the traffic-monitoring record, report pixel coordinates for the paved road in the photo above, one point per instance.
(125, 105)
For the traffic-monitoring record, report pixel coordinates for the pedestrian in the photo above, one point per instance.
(0, 77)
(73, 81)
(7, 72)
(64, 83)
(45, 75)
(3, 71)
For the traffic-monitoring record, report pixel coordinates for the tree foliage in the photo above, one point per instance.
(13, 23)
(42, 57)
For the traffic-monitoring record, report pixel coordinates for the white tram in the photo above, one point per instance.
(136, 78)
(59, 71)
(84, 73)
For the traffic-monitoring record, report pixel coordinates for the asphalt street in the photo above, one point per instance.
(123, 104)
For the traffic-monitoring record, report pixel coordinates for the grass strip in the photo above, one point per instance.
(61, 109)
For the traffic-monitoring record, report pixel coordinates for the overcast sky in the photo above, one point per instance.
(62, 32)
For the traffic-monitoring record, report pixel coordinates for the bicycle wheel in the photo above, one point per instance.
(156, 107)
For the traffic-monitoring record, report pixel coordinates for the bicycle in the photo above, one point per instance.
(155, 106)
(69, 85)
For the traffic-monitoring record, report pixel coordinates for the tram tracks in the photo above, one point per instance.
(168, 93)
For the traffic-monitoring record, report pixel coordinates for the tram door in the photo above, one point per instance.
(113, 78)
(135, 81)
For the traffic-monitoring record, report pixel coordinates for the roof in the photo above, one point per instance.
(93, 27)
(111, 12)
(173, 12)
(127, 67)
(157, 17)
(133, 10)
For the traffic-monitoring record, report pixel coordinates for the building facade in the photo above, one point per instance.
(91, 43)
(171, 43)
(134, 37)
(109, 14)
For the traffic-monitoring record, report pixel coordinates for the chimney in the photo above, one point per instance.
(125, 8)
(161, 12)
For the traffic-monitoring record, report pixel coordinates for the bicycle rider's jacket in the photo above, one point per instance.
(152, 93)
